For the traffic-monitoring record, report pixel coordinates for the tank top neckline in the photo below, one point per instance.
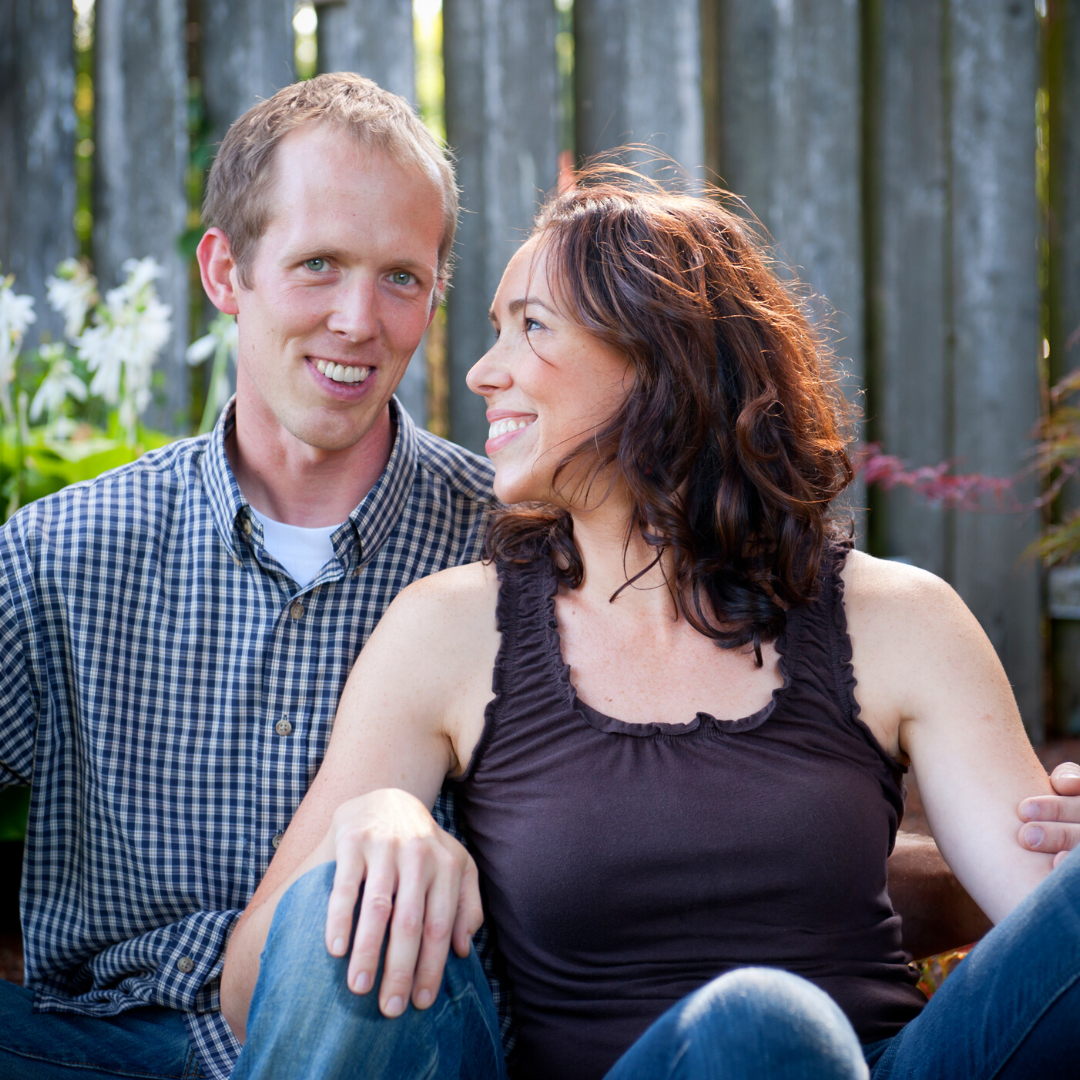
(702, 722)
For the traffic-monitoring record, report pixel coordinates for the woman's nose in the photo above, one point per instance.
(488, 374)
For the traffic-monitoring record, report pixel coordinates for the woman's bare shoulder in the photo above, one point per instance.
(887, 589)
(457, 601)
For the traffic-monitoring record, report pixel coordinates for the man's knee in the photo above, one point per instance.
(772, 1017)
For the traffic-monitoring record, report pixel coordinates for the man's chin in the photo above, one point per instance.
(329, 430)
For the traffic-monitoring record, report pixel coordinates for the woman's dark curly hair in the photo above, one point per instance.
(731, 442)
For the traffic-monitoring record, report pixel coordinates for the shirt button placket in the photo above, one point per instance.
(296, 610)
(283, 727)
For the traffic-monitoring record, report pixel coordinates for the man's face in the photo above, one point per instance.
(341, 288)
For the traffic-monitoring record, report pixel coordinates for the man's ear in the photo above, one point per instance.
(216, 268)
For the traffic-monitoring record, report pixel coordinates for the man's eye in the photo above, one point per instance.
(401, 277)
(318, 265)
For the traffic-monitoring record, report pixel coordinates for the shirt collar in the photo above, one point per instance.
(374, 519)
(222, 490)
(380, 509)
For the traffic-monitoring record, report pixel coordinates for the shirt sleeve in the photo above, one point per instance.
(177, 966)
(18, 701)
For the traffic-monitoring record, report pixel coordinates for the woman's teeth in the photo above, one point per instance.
(342, 372)
(501, 427)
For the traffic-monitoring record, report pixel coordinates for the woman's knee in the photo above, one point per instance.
(771, 1021)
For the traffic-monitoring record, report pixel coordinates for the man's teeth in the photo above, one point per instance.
(342, 372)
(501, 427)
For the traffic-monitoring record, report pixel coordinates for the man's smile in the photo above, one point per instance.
(342, 373)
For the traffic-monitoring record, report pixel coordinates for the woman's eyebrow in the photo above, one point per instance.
(516, 305)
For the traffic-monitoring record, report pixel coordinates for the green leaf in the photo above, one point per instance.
(14, 808)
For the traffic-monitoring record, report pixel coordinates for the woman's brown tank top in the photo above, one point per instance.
(625, 865)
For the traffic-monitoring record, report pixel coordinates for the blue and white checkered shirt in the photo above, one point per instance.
(168, 692)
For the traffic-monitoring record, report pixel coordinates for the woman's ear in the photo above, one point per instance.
(216, 268)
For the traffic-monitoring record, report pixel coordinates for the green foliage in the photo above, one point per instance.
(14, 808)
(38, 464)
(1058, 461)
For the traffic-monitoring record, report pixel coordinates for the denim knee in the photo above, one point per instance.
(304, 1020)
(765, 1021)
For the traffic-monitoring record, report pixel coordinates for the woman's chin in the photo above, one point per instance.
(510, 487)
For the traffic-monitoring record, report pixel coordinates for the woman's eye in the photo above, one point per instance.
(401, 277)
(532, 324)
(318, 265)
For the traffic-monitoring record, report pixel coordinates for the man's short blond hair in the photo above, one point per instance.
(239, 188)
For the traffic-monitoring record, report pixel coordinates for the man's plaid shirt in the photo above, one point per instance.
(151, 651)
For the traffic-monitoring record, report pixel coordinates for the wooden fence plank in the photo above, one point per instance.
(1063, 330)
(502, 121)
(993, 73)
(247, 49)
(375, 38)
(372, 37)
(790, 143)
(37, 148)
(908, 332)
(142, 149)
(247, 54)
(637, 76)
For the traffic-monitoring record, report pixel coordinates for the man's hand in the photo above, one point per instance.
(1053, 821)
(416, 878)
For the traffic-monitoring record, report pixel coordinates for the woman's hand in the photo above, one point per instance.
(417, 878)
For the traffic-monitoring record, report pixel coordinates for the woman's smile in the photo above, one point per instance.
(504, 426)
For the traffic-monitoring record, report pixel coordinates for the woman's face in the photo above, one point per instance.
(549, 385)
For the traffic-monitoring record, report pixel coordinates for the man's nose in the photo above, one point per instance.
(354, 314)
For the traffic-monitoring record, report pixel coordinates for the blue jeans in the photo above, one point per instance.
(1010, 1011)
(151, 1043)
(304, 1021)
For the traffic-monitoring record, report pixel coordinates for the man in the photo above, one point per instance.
(177, 633)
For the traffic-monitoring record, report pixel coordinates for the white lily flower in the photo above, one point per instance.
(131, 328)
(72, 293)
(16, 315)
(223, 343)
(59, 384)
(201, 350)
(140, 273)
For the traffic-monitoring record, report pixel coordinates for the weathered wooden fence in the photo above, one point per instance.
(888, 145)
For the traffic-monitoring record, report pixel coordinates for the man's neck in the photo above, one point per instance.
(288, 481)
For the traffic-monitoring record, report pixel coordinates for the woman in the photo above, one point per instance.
(675, 708)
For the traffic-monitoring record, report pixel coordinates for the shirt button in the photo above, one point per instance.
(275, 840)
(296, 611)
(283, 727)
(185, 964)
(245, 525)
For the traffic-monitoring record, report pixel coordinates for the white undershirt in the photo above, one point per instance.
(303, 552)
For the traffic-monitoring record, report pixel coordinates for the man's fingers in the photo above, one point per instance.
(375, 911)
(1049, 836)
(439, 915)
(1064, 808)
(470, 911)
(1066, 778)
(348, 875)
(406, 928)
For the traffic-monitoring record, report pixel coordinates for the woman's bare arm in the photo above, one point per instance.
(412, 708)
(932, 689)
